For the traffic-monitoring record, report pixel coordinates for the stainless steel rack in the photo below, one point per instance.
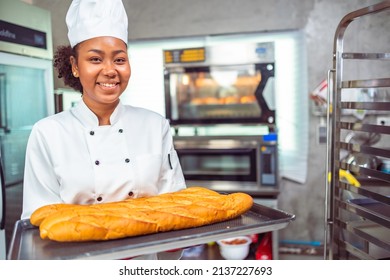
(357, 206)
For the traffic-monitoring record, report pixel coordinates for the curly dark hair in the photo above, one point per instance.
(64, 67)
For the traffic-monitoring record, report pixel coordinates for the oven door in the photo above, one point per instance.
(220, 94)
(215, 164)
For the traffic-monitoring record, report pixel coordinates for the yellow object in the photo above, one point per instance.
(347, 176)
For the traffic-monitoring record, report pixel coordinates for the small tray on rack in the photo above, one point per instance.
(27, 244)
(371, 232)
(372, 205)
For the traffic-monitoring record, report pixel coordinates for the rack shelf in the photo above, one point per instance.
(357, 216)
(371, 56)
(372, 83)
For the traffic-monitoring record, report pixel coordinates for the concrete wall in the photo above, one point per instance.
(318, 18)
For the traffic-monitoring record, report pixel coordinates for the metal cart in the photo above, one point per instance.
(357, 206)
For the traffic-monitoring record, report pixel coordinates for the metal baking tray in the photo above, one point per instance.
(372, 205)
(26, 243)
(371, 232)
(371, 209)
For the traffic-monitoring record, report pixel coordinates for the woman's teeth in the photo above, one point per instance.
(107, 85)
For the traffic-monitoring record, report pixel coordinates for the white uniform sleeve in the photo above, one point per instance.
(40, 186)
(171, 176)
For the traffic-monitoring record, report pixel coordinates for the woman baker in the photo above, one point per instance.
(100, 150)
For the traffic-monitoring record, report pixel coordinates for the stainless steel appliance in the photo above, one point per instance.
(3, 247)
(26, 92)
(214, 84)
(26, 80)
(230, 164)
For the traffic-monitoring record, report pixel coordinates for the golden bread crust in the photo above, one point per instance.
(191, 207)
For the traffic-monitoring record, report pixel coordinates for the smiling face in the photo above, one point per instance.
(103, 68)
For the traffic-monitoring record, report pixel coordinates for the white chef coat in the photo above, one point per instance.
(71, 159)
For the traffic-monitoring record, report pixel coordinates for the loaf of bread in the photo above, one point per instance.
(191, 207)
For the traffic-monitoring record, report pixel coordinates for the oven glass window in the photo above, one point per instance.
(215, 93)
(236, 167)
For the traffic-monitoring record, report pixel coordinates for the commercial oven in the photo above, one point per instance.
(217, 85)
(226, 163)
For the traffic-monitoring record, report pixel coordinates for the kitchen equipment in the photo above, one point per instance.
(26, 80)
(234, 248)
(210, 85)
(23, 81)
(26, 91)
(27, 244)
(230, 163)
(3, 247)
(357, 220)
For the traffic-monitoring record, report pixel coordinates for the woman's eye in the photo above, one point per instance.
(95, 59)
(120, 60)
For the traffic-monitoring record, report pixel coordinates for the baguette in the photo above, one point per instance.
(191, 207)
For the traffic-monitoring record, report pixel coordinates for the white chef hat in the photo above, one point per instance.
(88, 19)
